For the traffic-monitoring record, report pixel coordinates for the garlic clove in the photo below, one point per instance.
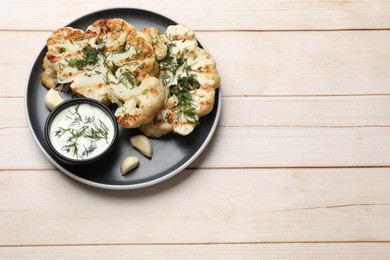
(53, 99)
(128, 164)
(142, 144)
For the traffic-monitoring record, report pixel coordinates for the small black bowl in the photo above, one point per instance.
(79, 101)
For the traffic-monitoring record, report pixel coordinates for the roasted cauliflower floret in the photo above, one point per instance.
(66, 72)
(179, 32)
(65, 40)
(203, 66)
(143, 98)
(156, 128)
(49, 74)
(203, 100)
(136, 52)
(139, 110)
(112, 33)
(92, 83)
(49, 78)
(184, 125)
(179, 39)
(180, 113)
(157, 41)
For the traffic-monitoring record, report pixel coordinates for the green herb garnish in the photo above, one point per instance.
(188, 82)
(86, 128)
(185, 103)
(132, 78)
(91, 57)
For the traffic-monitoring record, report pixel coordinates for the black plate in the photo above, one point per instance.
(172, 153)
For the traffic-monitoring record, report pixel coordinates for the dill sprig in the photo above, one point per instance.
(91, 57)
(188, 82)
(132, 78)
(185, 103)
(97, 132)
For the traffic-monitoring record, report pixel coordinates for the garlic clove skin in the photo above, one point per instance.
(142, 144)
(52, 99)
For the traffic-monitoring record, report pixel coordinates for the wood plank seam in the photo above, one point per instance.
(201, 243)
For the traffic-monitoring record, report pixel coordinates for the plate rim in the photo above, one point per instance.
(128, 186)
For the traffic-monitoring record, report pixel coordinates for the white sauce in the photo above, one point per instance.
(67, 125)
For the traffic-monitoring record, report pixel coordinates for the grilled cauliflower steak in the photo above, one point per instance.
(62, 44)
(190, 78)
(161, 82)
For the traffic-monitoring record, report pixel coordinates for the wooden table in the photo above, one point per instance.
(299, 167)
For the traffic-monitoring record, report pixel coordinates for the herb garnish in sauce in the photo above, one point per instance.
(82, 127)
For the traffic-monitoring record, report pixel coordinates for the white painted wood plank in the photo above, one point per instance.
(302, 63)
(353, 251)
(211, 15)
(349, 111)
(246, 147)
(199, 206)
(297, 147)
(253, 64)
